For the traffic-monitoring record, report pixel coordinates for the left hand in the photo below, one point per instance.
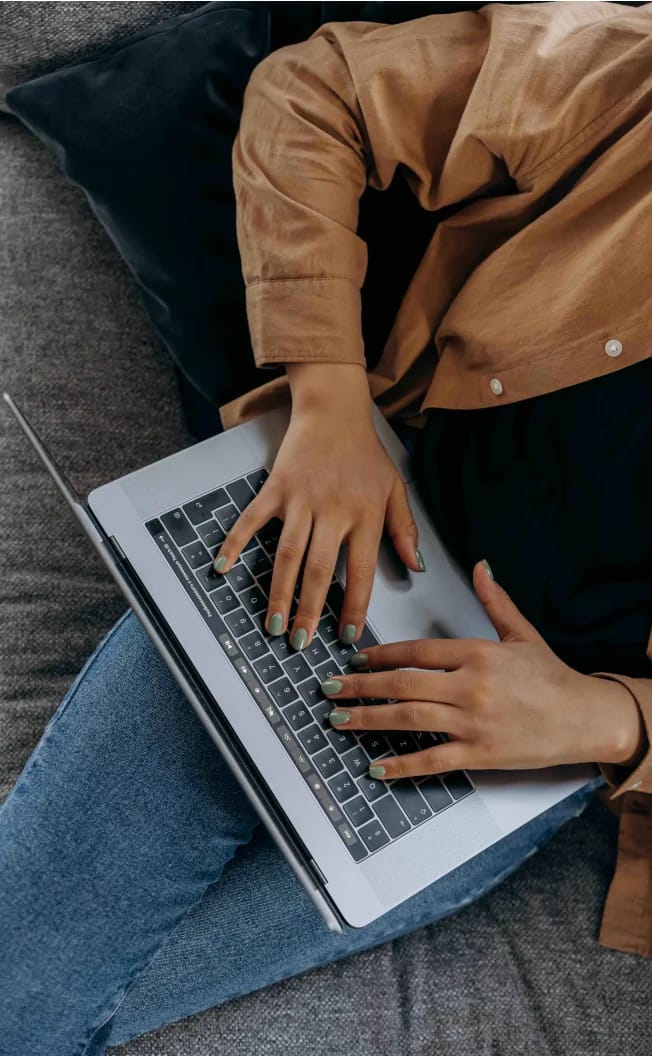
(506, 705)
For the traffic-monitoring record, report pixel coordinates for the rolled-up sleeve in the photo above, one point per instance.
(322, 120)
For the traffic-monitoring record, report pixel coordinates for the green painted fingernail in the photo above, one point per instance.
(299, 639)
(339, 717)
(419, 556)
(358, 659)
(219, 563)
(376, 771)
(348, 634)
(331, 685)
(487, 567)
(275, 624)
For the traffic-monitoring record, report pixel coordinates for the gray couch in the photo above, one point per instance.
(518, 972)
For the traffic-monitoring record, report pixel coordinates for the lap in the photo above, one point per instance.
(136, 873)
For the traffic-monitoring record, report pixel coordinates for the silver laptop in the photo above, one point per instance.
(359, 847)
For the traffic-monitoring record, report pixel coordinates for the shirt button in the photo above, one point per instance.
(613, 347)
(496, 386)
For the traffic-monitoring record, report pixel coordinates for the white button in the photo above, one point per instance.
(613, 347)
(496, 386)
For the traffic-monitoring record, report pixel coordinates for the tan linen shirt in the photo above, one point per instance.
(530, 126)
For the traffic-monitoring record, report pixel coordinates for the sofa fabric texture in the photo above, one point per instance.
(520, 971)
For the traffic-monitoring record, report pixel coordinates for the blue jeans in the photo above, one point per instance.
(136, 884)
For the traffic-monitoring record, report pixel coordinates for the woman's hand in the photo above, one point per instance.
(506, 705)
(332, 482)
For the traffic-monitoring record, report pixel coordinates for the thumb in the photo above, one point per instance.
(508, 620)
(401, 527)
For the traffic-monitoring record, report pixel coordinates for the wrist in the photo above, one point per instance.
(625, 741)
(338, 389)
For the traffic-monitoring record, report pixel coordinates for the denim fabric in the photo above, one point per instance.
(137, 886)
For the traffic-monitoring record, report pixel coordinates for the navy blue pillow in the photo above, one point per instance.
(146, 128)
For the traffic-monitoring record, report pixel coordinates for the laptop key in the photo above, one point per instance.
(227, 516)
(239, 576)
(341, 740)
(341, 653)
(269, 534)
(224, 600)
(267, 668)
(265, 583)
(335, 597)
(401, 743)
(312, 739)
(253, 600)
(373, 835)
(240, 492)
(296, 668)
(316, 652)
(371, 788)
(238, 622)
(211, 534)
(357, 849)
(411, 800)
(297, 714)
(366, 638)
(179, 527)
(328, 628)
(199, 510)
(253, 646)
(342, 787)
(257, 561)
(212, 499)
(196, 554)
(391, 816)
(435, 793)
(320, 714)
(280, 646)
(327, 762)
(282, 691)
(374, 744)
(457, 784)
(327, 670)
(358, 810)
(311, 692)
(257, 478)
(355, 761)
(209, 579)
(424, 739)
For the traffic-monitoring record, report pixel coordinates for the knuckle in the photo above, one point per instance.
(287, 549)
(403, 681)
(484, 654)
(416, 652)
(318, 563)
(415, 712)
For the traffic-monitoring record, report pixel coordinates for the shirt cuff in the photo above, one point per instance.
(626, 778)
(305, 319)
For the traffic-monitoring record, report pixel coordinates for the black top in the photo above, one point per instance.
(555, 492)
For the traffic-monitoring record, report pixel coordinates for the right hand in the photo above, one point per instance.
(332, 482)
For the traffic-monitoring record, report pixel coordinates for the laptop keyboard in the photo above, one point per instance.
(366, 814)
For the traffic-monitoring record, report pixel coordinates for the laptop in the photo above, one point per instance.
(358, 847)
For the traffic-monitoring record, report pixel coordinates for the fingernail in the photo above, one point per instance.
(275, 624)
(358, 659)
(331, 685)
(376, 771)
(487, 567)
(219, 563)
(348, 634)
(339, 717)
(299, 639)
(419, 556)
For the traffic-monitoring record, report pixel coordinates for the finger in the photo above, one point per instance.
(287, 562)
(509, 621)
(395, 685)
(420, 715)
(259, 511)
(317, 575)
(401, 527)
(430, 653)
(361, 561)
(451, 755)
